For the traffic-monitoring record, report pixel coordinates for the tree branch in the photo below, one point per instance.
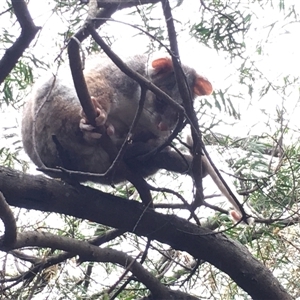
(187, 104)
(40, 264)
(90, 253)
(7, 217)
(28, 32)
(38, 192)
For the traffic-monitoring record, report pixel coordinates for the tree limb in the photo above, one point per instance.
(8, 219)
(28, 32)
(91, 253)
(38, 192)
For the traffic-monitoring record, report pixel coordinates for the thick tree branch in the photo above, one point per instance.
(8, 219)
(91, 253)
(40, 264)
(38, 192)
(29, 30)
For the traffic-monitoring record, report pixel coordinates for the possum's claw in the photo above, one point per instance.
(88, 130)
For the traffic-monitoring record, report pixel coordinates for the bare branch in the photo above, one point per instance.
(75, 60)
(171, 28)
(7, 216)
(21, 255)
(38, 192)
(92, 253)
(28, 32)
(42, 264)
(187, 104)
(198, 145)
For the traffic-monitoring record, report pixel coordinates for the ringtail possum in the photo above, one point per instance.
(54, 111)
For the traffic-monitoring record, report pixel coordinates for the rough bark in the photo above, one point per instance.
(38, 192)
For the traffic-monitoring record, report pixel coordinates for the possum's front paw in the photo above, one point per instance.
(88, 130)
(91, 132)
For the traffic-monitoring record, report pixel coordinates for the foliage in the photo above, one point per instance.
(250, 123)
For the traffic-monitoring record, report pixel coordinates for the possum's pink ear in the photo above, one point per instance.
(202, 86)
(162, 65)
